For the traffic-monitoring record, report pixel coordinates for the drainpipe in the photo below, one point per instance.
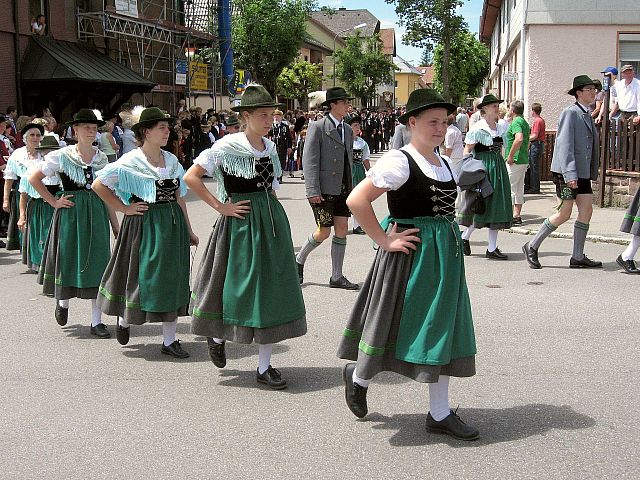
(16, 54)
(523, 46)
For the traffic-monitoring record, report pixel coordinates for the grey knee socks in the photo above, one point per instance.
(338, 247)
(308, 247)
(580, 231)
(546, 230)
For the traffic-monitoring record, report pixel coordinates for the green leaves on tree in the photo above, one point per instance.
(298, 80)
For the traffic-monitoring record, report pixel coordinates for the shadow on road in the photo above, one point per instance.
(299, 379)
(495, 425)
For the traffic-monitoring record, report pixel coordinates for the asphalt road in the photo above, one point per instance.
(556, 394)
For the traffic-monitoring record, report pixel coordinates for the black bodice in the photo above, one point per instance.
(496, 147)
(421, 196)
(165, 191)
(261, 182)
(357, 155)
(68, 185)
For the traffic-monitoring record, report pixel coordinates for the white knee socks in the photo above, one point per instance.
(96, 314)
(122, 322)
(493, 240)
(632, 249)
(264, 357)
(466, 235)
(439, 398)
(360, 381)
(169, 332)
(63, 303)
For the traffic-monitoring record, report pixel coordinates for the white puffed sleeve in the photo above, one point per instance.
(207, 160)
(391, 171)
(51, 163)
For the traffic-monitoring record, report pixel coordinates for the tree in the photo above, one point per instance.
(468, 65)
(362, 66)
(430, 23)
(267, 35)
(427, 57)
(298, 79)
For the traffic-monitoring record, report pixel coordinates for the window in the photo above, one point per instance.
(630, 51)
(36, 8)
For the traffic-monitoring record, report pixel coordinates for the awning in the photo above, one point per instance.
(49, 60)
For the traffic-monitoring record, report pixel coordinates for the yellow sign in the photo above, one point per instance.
(198, 75)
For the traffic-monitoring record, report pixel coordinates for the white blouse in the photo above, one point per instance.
(51, 164)
(391, 171)
(163, 172)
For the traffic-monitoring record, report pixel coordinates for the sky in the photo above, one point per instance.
(385, 12)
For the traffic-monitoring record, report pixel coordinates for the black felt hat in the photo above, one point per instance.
(48, 142)
(488, 99)
(334, 94)
(232, 120)
(256, 96)
(85, 115)
(425, 99)
(29, 126)
(579, 82)
(150, 116)
(355, 119)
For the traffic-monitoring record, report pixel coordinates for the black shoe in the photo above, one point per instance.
(466, 247)
(516, 221)
(343, 283)
(100, 331)
(354, 394)
(629, 266)
(62, 315)
(291, 175)
(586, 262)
(122, 334)
(300, 272)
(175, 350)
(216, 353)
(2, 244)
(531, 254)
(302, 177)
(358, 231)
(452, 425)
(271, 377)
(495, 255)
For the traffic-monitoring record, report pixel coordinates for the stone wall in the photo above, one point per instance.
(620, 187)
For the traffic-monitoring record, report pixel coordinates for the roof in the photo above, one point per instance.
(427, 72)
(490, 14)
(388, 37)
(343, 21)
(47, 59)
(404, 66)
(308, 39)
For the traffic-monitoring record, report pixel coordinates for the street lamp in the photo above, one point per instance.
(362, 25)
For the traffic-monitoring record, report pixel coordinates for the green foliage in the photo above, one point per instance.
(430, 23)
(426, 58)
(361, 66)
(267, 35)
(298, 79)
(468, 65)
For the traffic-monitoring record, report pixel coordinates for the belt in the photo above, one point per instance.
(630, 111)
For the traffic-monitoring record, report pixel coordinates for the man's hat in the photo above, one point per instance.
(579, 82)
(48, 142)
(85, 115)
(150, 116)
(31, 125)
(424, 99)
(232, 120)
(255, 96)
(356, 119)
(611, 70)
(626, 67)
(488, 100)
(334, 94)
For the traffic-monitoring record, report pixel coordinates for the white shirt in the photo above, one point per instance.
(170, 160)
(51, 164)
(627, 96)
(128, 141)
(360, 144)
(391, 171)
(453, 141)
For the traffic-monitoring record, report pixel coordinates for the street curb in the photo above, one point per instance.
(590, 238)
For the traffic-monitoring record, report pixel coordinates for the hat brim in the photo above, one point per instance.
(240, 108)
(48, 147)
(404, 118)
(99, 123)
(149, 123)
(484, 104)
(572, 92)
(29, 126)
(327, 102)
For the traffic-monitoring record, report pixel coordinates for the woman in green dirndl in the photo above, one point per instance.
(249, 260)
(361, 165)
(413, 314)
(147, 279)
(35, 213)
(485, 140)
(78, 247)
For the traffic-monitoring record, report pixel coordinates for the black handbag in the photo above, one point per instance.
(478, 206)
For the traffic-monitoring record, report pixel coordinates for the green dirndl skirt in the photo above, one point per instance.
(147, 278)
(14, 235)
(358, 172)
(499, 210)
(413, 314)
(247, 287)
(39, 216)
(77, 249)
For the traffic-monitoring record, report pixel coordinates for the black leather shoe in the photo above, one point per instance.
(343, 283)
(62, 315)
(100, 331)
(175, 350)
(466, 247)
(2, 244)
(358, 231)
(354, 394)
(531, 254)
(300, 272)
(216, 353)
(496, 255)
(629, 266)
(122, 334)
(452, 425)
(516, 221)
(271, 377)
(586, 262)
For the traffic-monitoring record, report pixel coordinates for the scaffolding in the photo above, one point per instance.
(152, 36)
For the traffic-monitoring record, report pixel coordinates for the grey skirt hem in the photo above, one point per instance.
(135, 316)
(631, 221)
(240, 334)
(51, 289)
